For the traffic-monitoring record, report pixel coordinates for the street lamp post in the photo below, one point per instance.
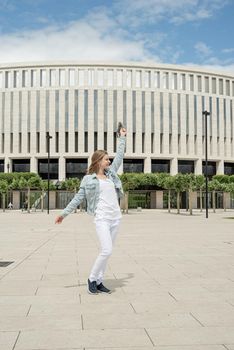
(205, 114)
(48, 173)
(8, 167)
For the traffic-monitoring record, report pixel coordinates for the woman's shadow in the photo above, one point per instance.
(111, 283)
(117, 283)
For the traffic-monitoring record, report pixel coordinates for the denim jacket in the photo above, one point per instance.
(89, 187)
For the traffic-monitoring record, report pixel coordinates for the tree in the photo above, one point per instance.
(130, 181)
(179, 186)
(3, 191)
(200, 185)
(73, 184)
(189, 185)
(168, 183)
(213, 186)
(44, 187)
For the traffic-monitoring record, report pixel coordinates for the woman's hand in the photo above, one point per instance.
(123, 132)
(59, 220)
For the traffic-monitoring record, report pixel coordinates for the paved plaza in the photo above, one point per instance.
(172, 278)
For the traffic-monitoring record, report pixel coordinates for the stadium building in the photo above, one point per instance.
(79, 106)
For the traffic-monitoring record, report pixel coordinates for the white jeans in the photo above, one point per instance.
(107, 231)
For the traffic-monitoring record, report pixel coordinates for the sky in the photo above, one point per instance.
(186, 32)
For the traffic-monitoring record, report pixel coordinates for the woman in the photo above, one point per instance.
(101, 188)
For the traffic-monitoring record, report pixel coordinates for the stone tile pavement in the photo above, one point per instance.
(172, 278)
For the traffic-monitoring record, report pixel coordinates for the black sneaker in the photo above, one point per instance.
(92, 287)
(102, 289)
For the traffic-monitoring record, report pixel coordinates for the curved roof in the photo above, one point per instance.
(142, 65)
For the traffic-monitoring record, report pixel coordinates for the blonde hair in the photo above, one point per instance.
(95, 161)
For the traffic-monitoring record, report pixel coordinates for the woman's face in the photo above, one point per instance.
(105, 162)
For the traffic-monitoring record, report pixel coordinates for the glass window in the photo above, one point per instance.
(160, 166)
(76, 167)
(33, 78)
(233, 88)
(119, 78)
(71, 77)
(52, 77)
(61, 77)
(191, 82)
(100, 77)
(157, 79)
(174, 81)
(25, 80)
(20, 165)
(81, 77)
(138, 78)
(133, 165)
(1, 80)
(182, 82)
(95, 109)
(185, 166)
(129, 78)
(90, 77)
(86, 110)
(134, 111)
(228, 87)
(221, 86)
(43, 77)
(199, 83)
(7, 79)
(147, 79)
(165, 80)
(213, 85)
(16, 79)
(110, 77)
(207, 84)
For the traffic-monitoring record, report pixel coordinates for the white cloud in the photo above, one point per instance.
(213, 66)
(98, 38)
(152, 11)
(229, 50)
(203, 49)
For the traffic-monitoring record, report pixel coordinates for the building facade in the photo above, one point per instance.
(79, 106)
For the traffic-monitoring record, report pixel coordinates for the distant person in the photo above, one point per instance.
(101, 188)
(10, 206)
(25, 205)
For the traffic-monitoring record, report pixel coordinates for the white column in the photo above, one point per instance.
(129, 124)
(165, 124)
(91, 122)
(33, 123)
(191, 125)
(61, 122)
(183, 125)
(220, 167)
(62, 170)
(110, 130)
(24, 129)
(147, 165)
(42, 117)
(148, 125)
(71, 132)
(198, 167)
(52, 122)
(174, 166)
(221, 129)
(100, 119)
(34, 165)
(174, 125)
(138, 138)
(15, 123)
(81, 121)
(157, 123)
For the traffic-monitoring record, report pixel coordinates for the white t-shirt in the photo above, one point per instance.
(108, 206)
